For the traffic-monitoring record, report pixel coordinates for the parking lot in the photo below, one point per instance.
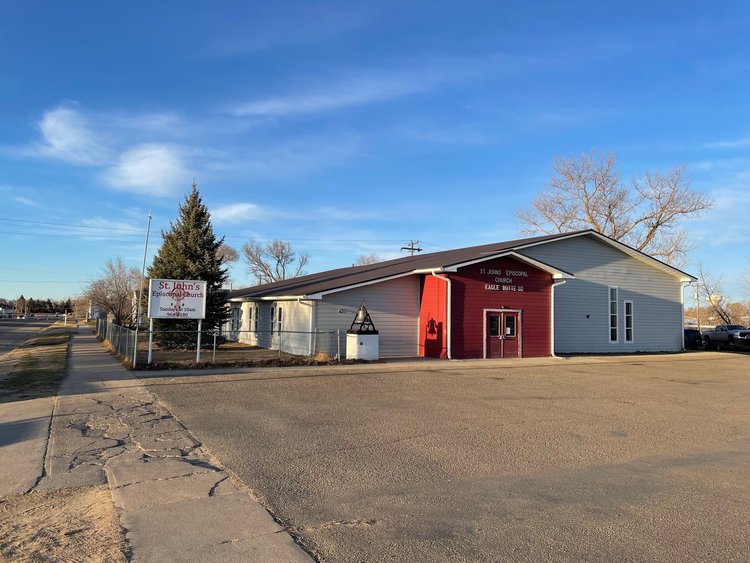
(595, 458)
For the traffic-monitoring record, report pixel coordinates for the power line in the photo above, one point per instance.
(106, 228)
(412, 247)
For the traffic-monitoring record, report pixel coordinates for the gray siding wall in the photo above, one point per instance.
(582, 304)
(393, 307)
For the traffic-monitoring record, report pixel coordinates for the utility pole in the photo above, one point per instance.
(412, 247)
(697, 305)
(140, 290)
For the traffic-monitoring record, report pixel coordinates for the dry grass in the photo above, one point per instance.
(37, 367)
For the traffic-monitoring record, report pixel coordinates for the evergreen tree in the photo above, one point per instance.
(189, 251)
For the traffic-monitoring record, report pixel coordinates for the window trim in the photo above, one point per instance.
(616, 314)
(625, 315)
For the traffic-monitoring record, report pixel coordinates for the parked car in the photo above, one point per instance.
(693, 339)
(727, 335)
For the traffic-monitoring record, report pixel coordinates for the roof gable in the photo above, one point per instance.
(314, 286)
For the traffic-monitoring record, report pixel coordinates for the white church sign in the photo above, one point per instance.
(176, 299)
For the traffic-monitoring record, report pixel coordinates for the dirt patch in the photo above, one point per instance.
(229, 354)
(36, 368)
(63, 525)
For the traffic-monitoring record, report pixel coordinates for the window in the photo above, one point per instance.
(613, 314)
(494, 325)
(252, 317)
(236, 318)
(276, 316)
(510, 326)
(628, 321)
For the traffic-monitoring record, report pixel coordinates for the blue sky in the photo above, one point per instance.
(349, 128)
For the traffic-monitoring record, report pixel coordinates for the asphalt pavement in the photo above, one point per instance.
(633, 458)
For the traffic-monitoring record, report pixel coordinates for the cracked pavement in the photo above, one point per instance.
(175, 501)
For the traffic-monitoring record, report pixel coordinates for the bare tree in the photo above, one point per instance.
(366, 259)
(588, 193)
(116, 292)
(227, 254)
(711, 289)
(275, 261)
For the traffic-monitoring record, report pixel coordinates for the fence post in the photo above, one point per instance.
(214, 358)
(280, 339)
(127, 342)
(338, 344)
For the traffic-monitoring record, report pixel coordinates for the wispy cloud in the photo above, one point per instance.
(741, 143)
(293, 158)
(161, 123)
(149, 169)
(311, 24)
(25, 201)
(357, 88)
(100, 228)
(448, 134)
(68, 136)
(347, 214)
(725, 180)
(236, 213)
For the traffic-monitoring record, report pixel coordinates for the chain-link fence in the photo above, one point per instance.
(222, 347)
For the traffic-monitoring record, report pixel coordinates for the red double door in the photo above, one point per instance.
(502, 330)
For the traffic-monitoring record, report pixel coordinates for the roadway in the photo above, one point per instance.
(632, 458)
(14, 332)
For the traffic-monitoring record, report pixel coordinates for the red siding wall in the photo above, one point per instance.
(433, 318)
(475, 288)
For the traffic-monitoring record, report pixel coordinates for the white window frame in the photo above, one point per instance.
(236, 318)
(631, 318)
(616, 314)
(254, 326)
(277, 318)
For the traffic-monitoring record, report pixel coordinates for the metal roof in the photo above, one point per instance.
(344, 278)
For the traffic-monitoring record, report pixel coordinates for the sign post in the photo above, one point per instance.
(176, 299)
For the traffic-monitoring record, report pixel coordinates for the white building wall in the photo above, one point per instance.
(582, 304)
(295, 337)
(393, 306)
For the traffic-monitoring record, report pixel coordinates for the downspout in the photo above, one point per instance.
(683, 285)
(448, 315)
(552, 318)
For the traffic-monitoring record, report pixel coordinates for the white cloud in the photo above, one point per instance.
(466, 134)
(300, 156)
(363, 88)
(100, 228)
(312, 23)
(162, 123)
(25, 201)
(730, 144)
(149, 169)
(236, 213)
(68, 136)
(357, 92)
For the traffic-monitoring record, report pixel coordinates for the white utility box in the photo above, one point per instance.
(362, 346)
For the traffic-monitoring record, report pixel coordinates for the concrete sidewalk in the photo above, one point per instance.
(174, 501)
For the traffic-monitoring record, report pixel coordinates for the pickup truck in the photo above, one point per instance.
(727, 335)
